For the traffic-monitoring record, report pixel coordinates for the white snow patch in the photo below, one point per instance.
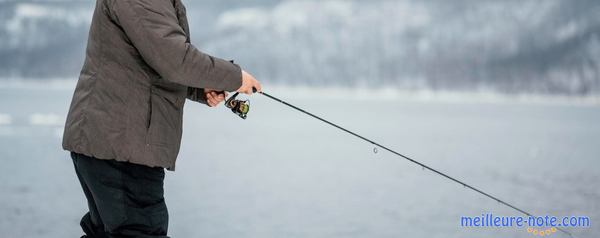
(568, 31)
(37, 84)
(245, 17)
(5, 119)
(287, 16)
(46, 119)
(21, 27)
(26, 11)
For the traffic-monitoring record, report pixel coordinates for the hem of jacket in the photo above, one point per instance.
(167, 167)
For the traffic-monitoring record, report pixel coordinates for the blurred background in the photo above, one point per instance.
(504, 95)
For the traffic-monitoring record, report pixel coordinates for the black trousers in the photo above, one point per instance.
(124, 199)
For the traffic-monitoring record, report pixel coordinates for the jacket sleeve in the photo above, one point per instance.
(153, 29)
(196, 95)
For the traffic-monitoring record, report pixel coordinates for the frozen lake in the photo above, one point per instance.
(283, 174)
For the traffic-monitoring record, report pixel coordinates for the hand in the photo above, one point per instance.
(213, 97)
(248, 84)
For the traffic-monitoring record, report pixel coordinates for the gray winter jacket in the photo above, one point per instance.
(139, 69)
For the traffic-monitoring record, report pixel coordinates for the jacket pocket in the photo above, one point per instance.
(165, 118)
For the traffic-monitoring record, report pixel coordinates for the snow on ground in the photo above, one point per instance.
(5, 119)
(49, 119)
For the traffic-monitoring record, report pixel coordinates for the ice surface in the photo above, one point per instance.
(282, 174)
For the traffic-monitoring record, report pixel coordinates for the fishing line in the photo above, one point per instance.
(423, 166)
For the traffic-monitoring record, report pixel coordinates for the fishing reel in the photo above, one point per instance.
(239, 107)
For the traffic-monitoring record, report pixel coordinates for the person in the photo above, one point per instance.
(124, 124)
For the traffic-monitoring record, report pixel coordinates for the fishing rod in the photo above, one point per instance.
(241, 108)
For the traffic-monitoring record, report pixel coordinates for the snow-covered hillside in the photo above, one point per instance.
(540, 46)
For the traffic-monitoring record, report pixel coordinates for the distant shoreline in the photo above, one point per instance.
(384, 94)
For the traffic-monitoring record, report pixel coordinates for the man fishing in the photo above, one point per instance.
(125, 120)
